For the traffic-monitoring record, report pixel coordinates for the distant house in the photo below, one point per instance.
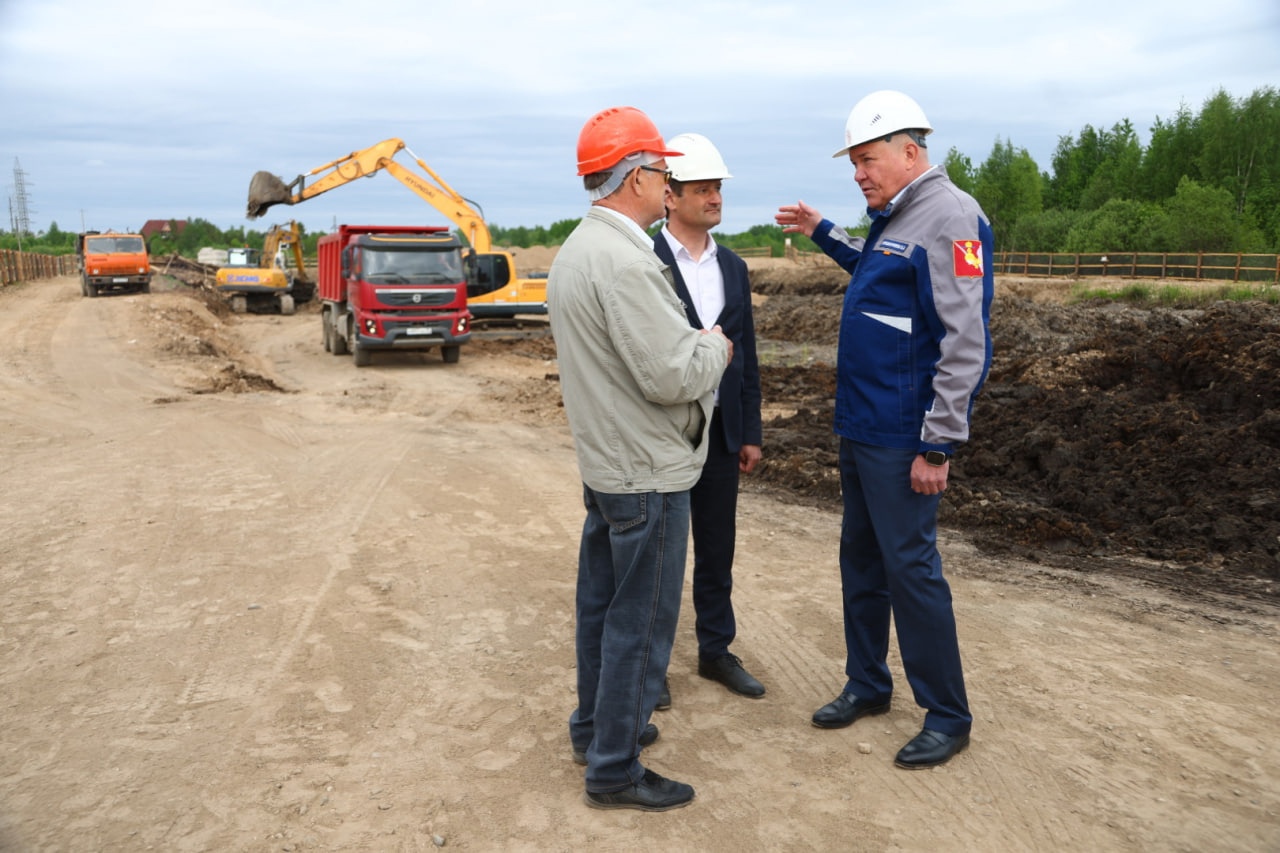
(163, 226)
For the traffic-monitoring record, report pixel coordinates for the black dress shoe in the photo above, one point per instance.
(929, 749)
(846, 708)
(653, 793)
(664, 698)
(727, 670)
(648, 736)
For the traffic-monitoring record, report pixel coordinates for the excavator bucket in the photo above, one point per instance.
(265, 190)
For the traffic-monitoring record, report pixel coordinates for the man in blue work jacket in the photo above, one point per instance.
(915, 348)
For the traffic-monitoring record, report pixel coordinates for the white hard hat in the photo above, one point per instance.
(880, 115)
(701, 160)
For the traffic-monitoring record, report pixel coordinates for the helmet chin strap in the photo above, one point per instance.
(916, 136)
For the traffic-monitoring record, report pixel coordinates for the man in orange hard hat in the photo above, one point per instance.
(638, 386)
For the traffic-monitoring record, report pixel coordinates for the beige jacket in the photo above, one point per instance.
(637, 381)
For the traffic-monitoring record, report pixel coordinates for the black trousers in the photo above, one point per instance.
(714, 514)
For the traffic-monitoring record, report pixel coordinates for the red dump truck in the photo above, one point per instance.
(385, 287)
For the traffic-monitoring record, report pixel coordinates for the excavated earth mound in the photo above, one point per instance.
(1109, 436)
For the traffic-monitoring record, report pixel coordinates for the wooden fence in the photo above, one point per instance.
(1196, 266)
(1201, 266)
(18, 266)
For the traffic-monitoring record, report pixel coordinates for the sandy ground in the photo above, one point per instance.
(259, 600)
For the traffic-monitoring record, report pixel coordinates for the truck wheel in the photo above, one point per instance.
(286, 303)
(451, 354)
(84, 287)
(360, 354)
(91, 290)
(326, 334)
(337, 341)
(239, 304)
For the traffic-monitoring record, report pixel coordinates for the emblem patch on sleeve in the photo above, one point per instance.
(967, 258)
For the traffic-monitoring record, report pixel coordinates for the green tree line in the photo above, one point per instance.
(186, 240)
(1206, 181)
(197, 234)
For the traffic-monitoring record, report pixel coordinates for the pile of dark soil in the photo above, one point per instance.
(1106, 431)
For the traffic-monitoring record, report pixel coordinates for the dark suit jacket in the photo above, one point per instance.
(740, 386)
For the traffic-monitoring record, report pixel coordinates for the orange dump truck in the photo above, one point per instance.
(111, 262)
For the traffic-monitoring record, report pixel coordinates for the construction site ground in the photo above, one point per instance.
(257, 599)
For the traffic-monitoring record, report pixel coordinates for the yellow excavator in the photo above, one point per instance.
(261, 281)
(493, 288)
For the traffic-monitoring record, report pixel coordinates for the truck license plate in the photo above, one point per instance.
(119, 281)
(417, 331)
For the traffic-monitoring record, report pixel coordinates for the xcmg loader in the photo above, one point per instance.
(262, 282)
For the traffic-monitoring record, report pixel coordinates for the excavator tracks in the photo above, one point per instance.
(501, 328)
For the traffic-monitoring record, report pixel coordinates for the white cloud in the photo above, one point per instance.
(182, 104)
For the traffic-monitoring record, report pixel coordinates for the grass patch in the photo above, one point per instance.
(776, 354)
(1178, 294)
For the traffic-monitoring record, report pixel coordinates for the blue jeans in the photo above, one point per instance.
(630, 577)
(889, 562)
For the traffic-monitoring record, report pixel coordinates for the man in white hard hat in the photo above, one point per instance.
(914, 351)
(712, 283)
(637, 384)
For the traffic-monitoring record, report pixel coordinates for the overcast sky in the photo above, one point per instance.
(127, 111)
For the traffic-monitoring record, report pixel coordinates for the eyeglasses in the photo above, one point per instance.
(665, 173)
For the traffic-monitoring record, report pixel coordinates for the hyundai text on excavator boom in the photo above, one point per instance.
(493, 288)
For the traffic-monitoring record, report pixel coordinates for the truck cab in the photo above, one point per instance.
(113, 262)
(242, 256)
(494, 290)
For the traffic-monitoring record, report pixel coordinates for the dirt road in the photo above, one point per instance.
(259, 600)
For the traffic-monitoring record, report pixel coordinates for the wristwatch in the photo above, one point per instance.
(936, 458)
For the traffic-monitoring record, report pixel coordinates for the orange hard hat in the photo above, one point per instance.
(612, 134)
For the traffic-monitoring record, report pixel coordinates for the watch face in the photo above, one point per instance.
(935, 457)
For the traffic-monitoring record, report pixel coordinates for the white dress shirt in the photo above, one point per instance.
(703, 279)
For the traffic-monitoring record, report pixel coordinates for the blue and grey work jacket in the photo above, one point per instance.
(915, 340)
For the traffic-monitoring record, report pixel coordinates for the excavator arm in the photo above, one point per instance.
(493, 287)
(266, 189)
(271, 242)
(444, 199)
(296, 249)
(288, 238)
